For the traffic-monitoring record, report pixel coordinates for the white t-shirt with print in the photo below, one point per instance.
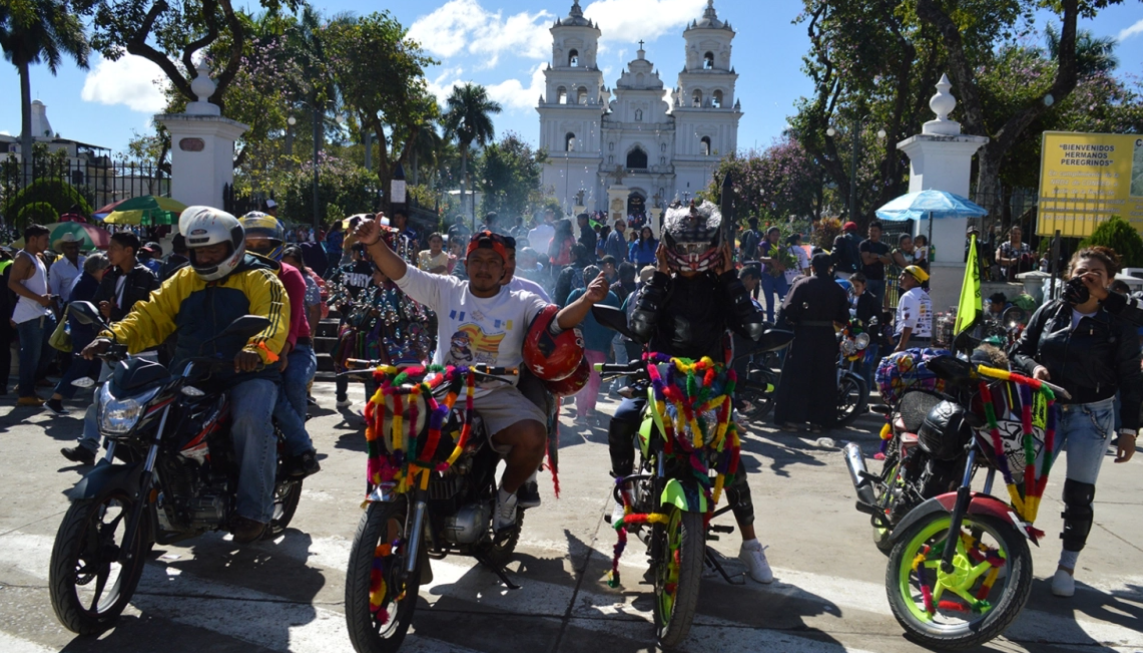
(915, 310)
(471, 329)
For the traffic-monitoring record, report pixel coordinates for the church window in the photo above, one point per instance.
(611, 147)
(639, 80)
(662, 147)
(573, 58)
(581, 95)
(696, 99)
(561, 95)
(708, 61)
(704, 146)
(716, 100)
(638, 115)
(637, 159)
(569, 142)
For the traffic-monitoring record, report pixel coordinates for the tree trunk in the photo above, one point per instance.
(464, 181)
(26, 136)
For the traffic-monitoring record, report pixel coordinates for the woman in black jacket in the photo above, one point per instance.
(1084, 343)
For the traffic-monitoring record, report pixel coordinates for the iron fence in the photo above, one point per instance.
(100, 180)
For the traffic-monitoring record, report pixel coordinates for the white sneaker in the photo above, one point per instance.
(1063, 584)
(344, 403)
(505, 515)
(753, 554)
(617, 514)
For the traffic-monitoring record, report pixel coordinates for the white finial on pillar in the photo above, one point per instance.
(942, 104)
(203, 87)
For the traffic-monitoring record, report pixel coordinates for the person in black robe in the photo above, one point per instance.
(807, 391)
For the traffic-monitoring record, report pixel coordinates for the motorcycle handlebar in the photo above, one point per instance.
(619, 368)
(358, 364)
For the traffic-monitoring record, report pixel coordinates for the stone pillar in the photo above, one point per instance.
(202, 147)
(617, 196)
(940, 158)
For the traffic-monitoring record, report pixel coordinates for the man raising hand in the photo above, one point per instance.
(480, 321)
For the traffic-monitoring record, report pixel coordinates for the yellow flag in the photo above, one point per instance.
(970, 308)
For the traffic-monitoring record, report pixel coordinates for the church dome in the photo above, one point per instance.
(575, 18)
(710, 19)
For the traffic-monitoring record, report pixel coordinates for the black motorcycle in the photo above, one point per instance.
(177, 478)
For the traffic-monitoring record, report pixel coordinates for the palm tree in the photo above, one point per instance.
(469, 120)
(34, 32)
(1094, 56)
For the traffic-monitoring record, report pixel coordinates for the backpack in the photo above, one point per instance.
(846, 255)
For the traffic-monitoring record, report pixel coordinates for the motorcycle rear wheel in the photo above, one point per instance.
(87, 550)
(678, 575)
(287, 494)
(380, 630)
(852, 398)
(955, 624)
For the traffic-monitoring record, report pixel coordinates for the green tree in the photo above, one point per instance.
(34, 32)
(380, 76)
(44, 200)
(342, 188)
(777, 184)
(508, 174)
(965, 58)
(467, 121)
(1119, 235)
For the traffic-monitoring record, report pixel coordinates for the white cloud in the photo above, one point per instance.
(132, 81)
(1137, 28)
(465, 27)
(631, 20)
(513, 95)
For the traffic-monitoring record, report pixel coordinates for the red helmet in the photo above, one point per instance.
(572, 384)
(552, 358)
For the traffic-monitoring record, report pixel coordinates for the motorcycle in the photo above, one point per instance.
(945, 539)
(431, 493)
(177, 480)
(669, 502)
(852, 390)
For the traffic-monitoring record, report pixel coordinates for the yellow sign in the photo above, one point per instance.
(1087, 178)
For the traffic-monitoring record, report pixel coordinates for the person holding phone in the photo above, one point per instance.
(1086, 343)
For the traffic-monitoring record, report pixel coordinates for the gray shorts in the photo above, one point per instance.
(504, 406)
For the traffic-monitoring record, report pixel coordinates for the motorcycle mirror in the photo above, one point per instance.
(614, 319)
(83, 382)
(85, 313)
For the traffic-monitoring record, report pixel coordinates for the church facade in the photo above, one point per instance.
(664, 144)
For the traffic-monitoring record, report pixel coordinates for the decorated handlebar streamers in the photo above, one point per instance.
(687, 395)
(1034, 483)
(397, 455)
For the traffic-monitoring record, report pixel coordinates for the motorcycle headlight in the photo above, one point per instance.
(862, 340)
(119, 416)
(847, 347)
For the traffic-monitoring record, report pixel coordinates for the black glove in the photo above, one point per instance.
(1075, 292)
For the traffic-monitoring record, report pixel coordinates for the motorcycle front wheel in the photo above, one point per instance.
(852, 398)
(287, 494)
(975, 602)
(379, 596)
(90, 580)
(678, 575)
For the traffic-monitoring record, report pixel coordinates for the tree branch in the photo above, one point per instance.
(209, 7)
(137, 45)
(237, 46)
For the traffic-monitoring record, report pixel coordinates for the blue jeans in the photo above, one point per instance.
(619, 347)
(79, 368)
(877, 288)
(251, 406)
(771, 286)
(1085, 431)
(35, 352)
(869, 364)
(298, 374)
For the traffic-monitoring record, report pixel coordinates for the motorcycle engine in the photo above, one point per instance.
(208, 511)
(469, 524)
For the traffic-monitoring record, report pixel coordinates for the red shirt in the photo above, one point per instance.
(295, 284)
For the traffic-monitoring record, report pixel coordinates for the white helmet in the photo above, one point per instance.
(203, 226)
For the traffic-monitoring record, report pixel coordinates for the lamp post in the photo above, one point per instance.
(291, 121)
(831, 132)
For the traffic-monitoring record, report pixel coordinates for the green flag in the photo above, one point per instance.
(970, 308)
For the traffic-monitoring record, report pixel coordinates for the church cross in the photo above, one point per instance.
(619, 174)
(640, 45)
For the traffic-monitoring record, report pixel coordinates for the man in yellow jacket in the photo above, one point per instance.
(221, 284)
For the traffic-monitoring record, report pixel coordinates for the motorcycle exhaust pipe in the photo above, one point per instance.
(855, 461)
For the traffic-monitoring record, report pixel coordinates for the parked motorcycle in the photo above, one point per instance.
(852, 391)
(686, 444)
(960, 571)
(177, 480)
(431, 493)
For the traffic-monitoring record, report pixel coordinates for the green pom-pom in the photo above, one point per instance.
(613, 581)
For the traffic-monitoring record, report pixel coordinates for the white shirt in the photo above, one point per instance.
(62, 275)
(527, 285)
(540, 237)
(915, 310)
(27, 310)
(803, 263)
(472, 329)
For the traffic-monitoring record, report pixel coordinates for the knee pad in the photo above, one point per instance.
(738, 496)
(621, 446)
(1078, 514)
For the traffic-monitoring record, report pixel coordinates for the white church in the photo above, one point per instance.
(647, 143)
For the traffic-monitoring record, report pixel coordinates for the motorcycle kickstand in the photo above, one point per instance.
(501, 572)
(713, 562)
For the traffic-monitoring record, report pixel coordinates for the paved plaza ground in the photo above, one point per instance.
(288, 595)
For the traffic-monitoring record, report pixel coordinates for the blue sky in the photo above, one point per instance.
(504, 44)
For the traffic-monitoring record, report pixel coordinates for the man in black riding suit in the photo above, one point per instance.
(685, 311)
